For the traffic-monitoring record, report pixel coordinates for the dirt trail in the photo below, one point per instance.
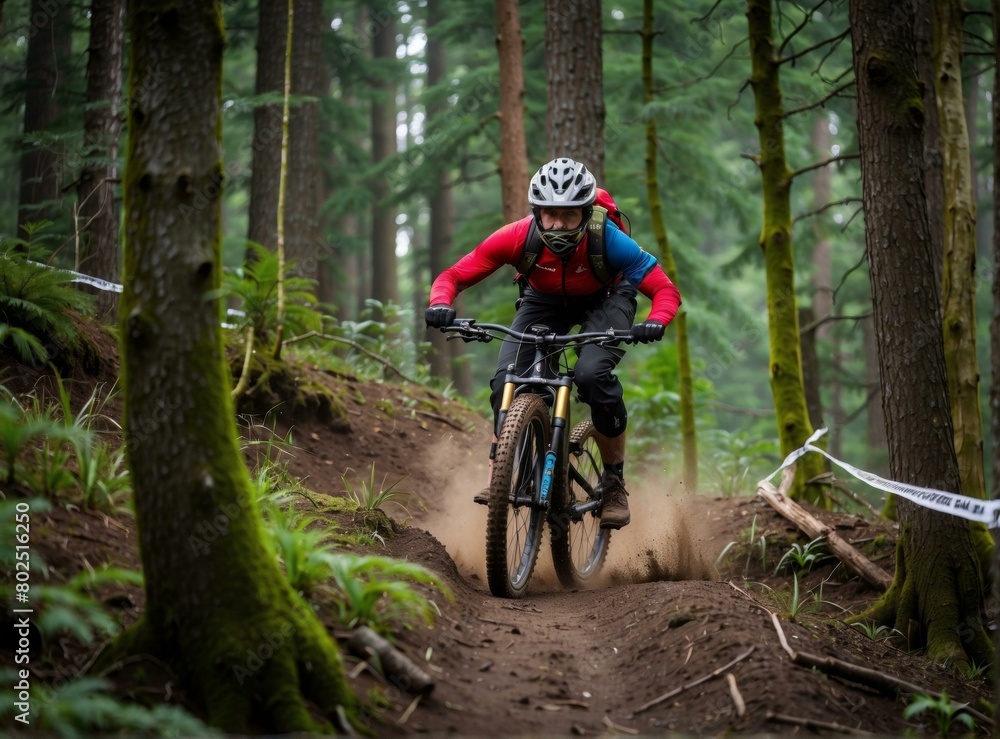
(574, 663)
(580, 663)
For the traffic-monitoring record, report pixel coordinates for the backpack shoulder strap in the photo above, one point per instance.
(529, 254)
(596, 249)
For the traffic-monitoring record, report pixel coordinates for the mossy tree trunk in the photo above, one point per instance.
(785, 357)
(958, 264)
(688, 433)
(384, 267)
(938, 584)
(218, 610)
(958, 291)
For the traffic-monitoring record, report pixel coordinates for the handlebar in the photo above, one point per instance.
(469, 330)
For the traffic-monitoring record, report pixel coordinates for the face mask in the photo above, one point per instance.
(562, 240)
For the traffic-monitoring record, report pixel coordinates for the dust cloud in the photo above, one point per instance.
(669, 537)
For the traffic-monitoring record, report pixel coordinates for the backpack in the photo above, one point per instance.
(604, 208)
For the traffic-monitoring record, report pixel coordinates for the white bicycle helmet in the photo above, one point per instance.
(562, 183)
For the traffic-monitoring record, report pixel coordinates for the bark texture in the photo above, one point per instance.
(385, 279)
(262, 226)
(218, 609)
(936, 598)
(442, 199)
(574, 65)
(958, 291)
(513, 142)
(787, 385)
(41, 165)
(995, 321)
(97, 218)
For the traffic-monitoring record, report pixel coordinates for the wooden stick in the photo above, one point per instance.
(814, 724)
(870, 572)
(409, 710)
(872, 678)
(398, 669)
(736, 695)
(677, 691)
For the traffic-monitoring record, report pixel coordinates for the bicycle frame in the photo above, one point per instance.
(560, 388)
(532, 470)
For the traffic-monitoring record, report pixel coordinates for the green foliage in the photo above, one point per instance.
(304, 549)
(877, 632)
(802, 557)
(20, 426)
(731, 456)
(256, 288)
(376, 592)
(72, 608)
(752, 541)
(370, 497)
(103, 476)
(944, 712)
(88, 706)
(35, 302)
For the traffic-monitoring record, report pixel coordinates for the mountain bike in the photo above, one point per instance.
(544, 469)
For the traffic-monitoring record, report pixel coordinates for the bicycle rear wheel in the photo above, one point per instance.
(579, 544)
(515, 521)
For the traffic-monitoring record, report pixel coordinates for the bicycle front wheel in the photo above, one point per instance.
(515, 520)
(579, 544)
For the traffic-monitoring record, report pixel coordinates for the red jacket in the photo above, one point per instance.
(569, 275)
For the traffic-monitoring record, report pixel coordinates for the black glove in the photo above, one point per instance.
(648, 331)
(441, 316)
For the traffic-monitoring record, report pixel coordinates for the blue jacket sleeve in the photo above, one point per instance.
(625, 256)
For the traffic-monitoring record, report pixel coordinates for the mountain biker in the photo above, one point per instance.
(562, 291)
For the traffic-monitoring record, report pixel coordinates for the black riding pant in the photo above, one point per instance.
(594, 370)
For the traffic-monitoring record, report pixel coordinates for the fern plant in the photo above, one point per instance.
(369, 497)
(256, 288)
(36, 301)
(88, 706)
(71, 607)
(305, 552)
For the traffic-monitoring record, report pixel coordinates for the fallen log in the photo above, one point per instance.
(870, 572)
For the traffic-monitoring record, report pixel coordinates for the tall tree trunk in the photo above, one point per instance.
(442, 200)
(210, 600)
(262, 220)
(575, 70)
(688, 432)
(513, 143)
(97, 216)
(48, 48)
(302, 238)
(933, 155)
(937, 584)
(995, 322)
(787, 386)
(958, 293)
(385, 279)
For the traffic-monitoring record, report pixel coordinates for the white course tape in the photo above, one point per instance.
(971, 509)
(100, 284)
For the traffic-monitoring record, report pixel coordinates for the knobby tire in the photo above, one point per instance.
(579, 544)
(514, 523)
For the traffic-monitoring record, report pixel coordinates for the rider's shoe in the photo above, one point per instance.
(614, 513)
(482, 497)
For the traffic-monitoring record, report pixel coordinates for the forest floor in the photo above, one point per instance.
(688, 588)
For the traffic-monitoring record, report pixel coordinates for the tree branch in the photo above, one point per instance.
(817, 211)
(833, 39)
(806, 18)
(819, 103)
(710, 74)
(818, 165)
